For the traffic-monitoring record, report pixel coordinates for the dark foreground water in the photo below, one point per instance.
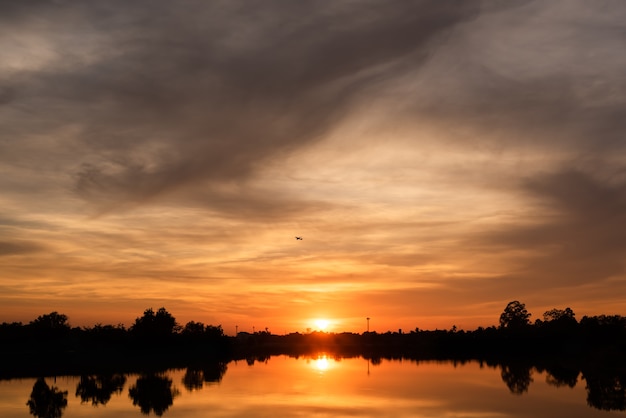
(319, 387)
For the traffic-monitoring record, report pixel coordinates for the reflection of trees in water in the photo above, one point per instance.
(213, 372)
(517, 377)
(153, 393)
(46, 401)
(376, 360)
(561, 376)
(250, 360)
(195, 377)
(606, 391)
(98, 389)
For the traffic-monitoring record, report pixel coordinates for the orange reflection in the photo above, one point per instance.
(322, 363)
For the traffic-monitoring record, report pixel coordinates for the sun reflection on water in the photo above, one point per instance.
(322, 363)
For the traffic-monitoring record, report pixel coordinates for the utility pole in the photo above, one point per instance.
(368, 324)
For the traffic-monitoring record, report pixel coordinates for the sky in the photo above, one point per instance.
(439, 160)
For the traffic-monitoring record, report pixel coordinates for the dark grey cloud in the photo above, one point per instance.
(540, 76)
(16, 247)
(160, 95)
(576, 231)
(542, 114)
(165, 94)
(135, 100)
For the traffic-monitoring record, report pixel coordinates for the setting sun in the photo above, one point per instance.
(321, 324)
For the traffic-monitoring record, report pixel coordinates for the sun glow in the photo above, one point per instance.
(322, 363)
(321, 324)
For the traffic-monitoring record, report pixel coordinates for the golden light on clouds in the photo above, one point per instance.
(435, 168)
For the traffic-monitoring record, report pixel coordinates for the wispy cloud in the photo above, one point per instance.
(472, 150)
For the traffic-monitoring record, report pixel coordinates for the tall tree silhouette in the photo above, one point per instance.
(559, 315)
(515, 316)
(52, 325)
(160, 324)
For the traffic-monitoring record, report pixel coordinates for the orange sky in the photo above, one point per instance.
(438, 161)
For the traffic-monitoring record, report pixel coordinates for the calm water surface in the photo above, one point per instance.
(306, 387)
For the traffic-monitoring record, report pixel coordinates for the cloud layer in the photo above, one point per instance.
(422, 149)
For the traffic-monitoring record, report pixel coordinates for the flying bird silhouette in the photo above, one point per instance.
(299, 238)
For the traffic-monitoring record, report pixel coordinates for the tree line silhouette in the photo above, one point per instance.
(156, 337)
(559, 344)
(558, 333)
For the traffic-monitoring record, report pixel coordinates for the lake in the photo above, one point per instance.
(319, 386)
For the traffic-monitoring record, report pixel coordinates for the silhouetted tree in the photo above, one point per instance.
(160, 324)
(515, 316)
(213, 331)
(11, 331)
(199, 336)
(46, 401)
(604, 329)
(559, 324)
(193, 329)
(559, 315)
(98, 389)
(153, 393)
(107, 331)
(52, 325)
